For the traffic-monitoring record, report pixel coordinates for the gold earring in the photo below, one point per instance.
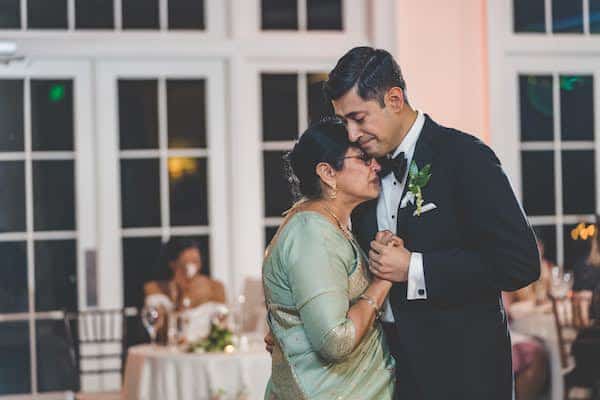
(332, 193)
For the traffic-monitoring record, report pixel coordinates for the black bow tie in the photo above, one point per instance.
(397, 165)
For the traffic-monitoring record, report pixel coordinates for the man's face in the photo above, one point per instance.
(368, 124)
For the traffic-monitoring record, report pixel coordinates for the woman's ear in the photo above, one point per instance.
(326, 173)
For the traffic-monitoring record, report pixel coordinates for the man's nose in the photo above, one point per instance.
(353, 132)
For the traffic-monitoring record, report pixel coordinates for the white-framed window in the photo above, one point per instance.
(543, 103)
(47, 218)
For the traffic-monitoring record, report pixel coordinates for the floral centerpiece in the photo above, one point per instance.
(219, 338)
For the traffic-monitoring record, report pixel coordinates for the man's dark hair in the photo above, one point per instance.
(372, 71)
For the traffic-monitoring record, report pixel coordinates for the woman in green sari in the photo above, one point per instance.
(322, 303)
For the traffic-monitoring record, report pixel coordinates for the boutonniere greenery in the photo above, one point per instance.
(417, 180)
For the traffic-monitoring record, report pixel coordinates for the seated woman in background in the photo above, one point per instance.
(188, 290)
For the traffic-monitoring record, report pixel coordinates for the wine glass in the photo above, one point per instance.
(150, 318)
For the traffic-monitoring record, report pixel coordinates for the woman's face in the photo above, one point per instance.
(358, 178)
(187, 265)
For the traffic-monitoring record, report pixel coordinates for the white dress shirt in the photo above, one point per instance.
(387, 209)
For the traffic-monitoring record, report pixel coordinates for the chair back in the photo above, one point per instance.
(254, 310)
(98, 339)
(570, 315)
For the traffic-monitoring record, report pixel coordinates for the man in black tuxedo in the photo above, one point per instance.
(457, 244)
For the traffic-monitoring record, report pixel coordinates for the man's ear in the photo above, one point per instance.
(394, 99)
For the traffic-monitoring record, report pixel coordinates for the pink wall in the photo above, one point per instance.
(442, 49)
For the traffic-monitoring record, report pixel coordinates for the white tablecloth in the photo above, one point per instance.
(541, 324)
(157, 373)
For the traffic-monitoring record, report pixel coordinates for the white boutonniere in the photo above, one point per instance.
(417, 180)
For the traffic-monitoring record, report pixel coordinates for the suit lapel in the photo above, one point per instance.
(422, 156)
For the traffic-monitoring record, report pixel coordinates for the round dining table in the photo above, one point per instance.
(163, 373)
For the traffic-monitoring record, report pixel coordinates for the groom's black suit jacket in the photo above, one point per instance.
(476, 243)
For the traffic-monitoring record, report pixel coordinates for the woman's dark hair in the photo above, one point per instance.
(325, 141)
(175, 246)
(372, 71)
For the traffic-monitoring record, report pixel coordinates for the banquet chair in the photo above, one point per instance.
(254, 306)
(98, 339)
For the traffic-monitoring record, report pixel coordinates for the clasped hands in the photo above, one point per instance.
(388, 258)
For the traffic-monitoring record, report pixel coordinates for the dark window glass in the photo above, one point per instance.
(535, 93)
(594, 16)
(529, 16)
(318, 105)
(270, 232)
(11, 115)
(140, 193)
(547, 235)
(574, 250)
(280, 106)
(186, 110)
(138, 114)
(277, 193)
(52, 115)
(56, 369)
(55, 275)
(578, 179)
(53, 195)
(42, 16)
(537, 177)
(10, 14)
(324, 15)
(140, 14)
(279, 14)
(188, 191)
(186, 14)
(94, 14)
(13, 279)
(15, 372)
(12, 212)
(567, 16)
(577, 107)
(141, 263)
(204, 245)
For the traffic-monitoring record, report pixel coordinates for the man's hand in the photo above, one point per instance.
(389, 261)
(269, 342)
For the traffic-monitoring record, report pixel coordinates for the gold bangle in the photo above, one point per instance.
(373, 304)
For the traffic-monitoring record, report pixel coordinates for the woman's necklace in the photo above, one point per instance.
(343, 227)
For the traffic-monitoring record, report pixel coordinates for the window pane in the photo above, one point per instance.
(186, 110)
(280, 106)
(188, 188)
(577, 107)
(324, 14)
(186, 14)
(56, 370)
(529, 16)
(547, 235)
(318, 105)
(567, 16)
(41, 16)
(94, 14)
(140, 193)
(535, 93)
(277, 192)
(11, 115)
(138, 114)
(594, 16)
(279, 14)
(140, 14)
(270, 232)
(537, 177)
(13, 279)
(53, 195)
(574, 250)
(10, 14)
(15, 374)
(12, 212)
(141, 263)
(52, 115)
(578, 178)
(55, 275)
